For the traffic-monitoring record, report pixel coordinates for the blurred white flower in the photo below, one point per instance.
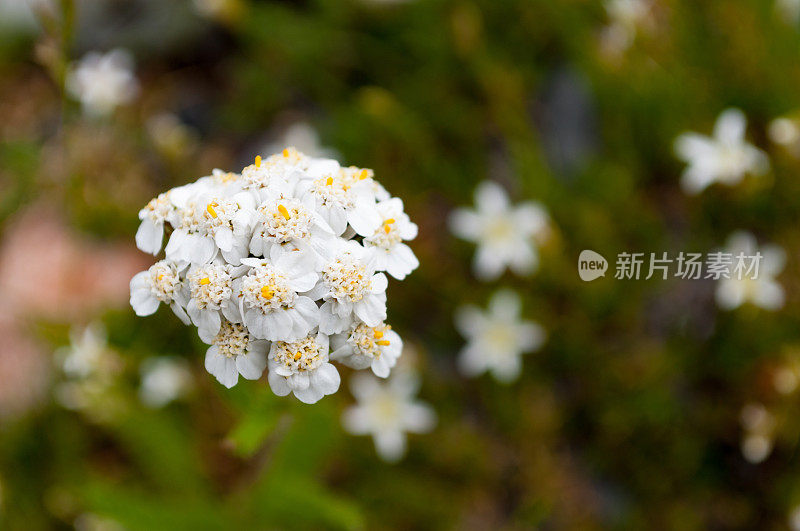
(387, 250)
(210, 8)
(94, 522)
(626, 18)
(726, 157)
(794, 519)
(164, 379)
(785, 131)
(303, 137)
(85, 352)
(786, 377)
(387, 411)
(497, 338)
(505, 234)
(21, 14)
(101, 82)
(91, 370)
(788, 10)
(763, 291)
(758, 425)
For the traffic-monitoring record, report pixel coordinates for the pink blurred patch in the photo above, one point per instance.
(47, 270)
(24, 369)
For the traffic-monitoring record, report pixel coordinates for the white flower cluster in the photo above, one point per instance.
(280, 267)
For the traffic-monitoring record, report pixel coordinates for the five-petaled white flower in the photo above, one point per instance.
(103, 81)
(751, 279)
(496, 339)
(210, 297)
(235, 351)
(351, 290)
(505, 234)
(342, 200)
(726, 157)
(387, 411)
(385, 245)
(377, 347)
(302, 368)
(269, 295)
(161, 283)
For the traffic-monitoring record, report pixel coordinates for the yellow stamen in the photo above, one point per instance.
(204, 281)
(387, 225)
(258, 161)
(286, 153)
(364, 174)
(378, 334)
(329, 181)
(383, 342)
(266, 292)
(297, 356)
(211, 210)
(284, 212)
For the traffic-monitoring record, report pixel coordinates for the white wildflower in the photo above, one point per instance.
(726, 157)
(341, 200)
(387, 411)
(794, 517)
(86, 351)
(789, 11)
(272, 259)
(497, 338)
(758, 425)
(302, 368)
(387, 250)
(350, 289)
(751, 277)
(505, 234)
(90, 369)
(103, 81)
(626, 19)
(376, 347)
(161, 283)
(269, 295)
(785, 131)
(164, 379)
(304, 138)
(233, 352)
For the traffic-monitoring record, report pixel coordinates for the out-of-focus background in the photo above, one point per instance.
(651, 404)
